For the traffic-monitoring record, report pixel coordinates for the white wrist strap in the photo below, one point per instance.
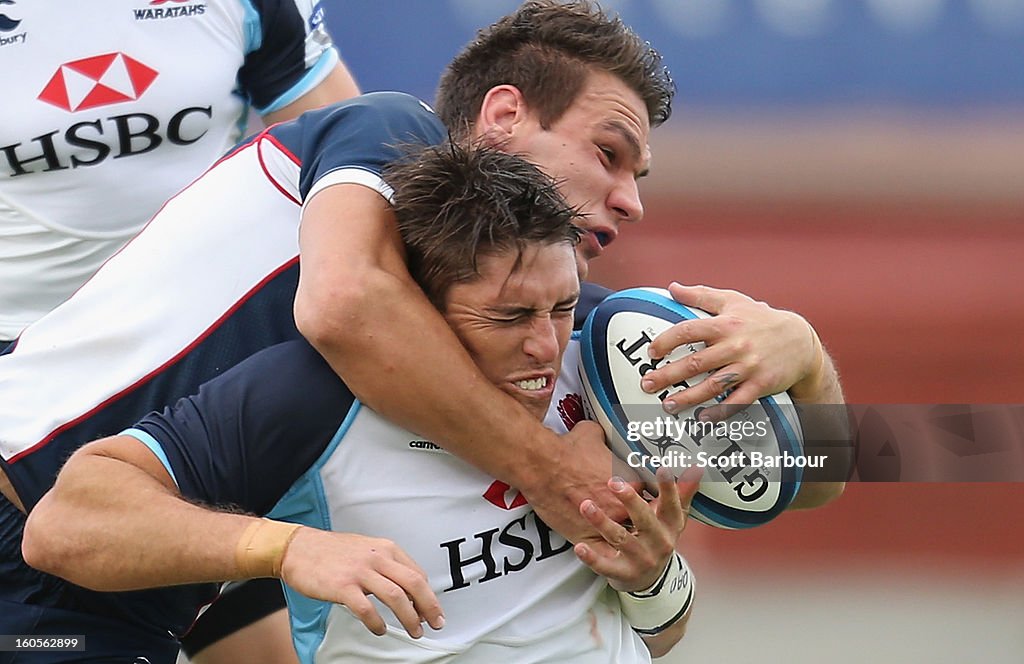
(657, 608)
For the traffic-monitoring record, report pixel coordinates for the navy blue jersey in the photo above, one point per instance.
(208, 283)
(247, 436)
(590, 296)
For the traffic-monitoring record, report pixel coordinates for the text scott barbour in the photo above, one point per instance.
(682, 459)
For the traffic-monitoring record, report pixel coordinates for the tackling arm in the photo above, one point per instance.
(104, 525)
(359, 307)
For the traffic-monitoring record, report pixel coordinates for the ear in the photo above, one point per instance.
(502, 111)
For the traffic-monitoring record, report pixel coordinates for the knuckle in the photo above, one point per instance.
(734, 323)
(362, 610)
(695, 363)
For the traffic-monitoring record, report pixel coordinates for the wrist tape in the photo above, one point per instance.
(657, 608)
(262, 547)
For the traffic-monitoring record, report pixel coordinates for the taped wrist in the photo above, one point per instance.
(261, 548)
(657, 608)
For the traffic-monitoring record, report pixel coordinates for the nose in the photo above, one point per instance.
(541, 342)
(624, 200)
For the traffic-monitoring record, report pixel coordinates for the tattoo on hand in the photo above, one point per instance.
(727, 380)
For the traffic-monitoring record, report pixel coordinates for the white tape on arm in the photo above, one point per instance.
(657, 608)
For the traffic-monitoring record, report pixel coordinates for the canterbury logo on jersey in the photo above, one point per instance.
(426, 446)
(9, 24)
(156, 12)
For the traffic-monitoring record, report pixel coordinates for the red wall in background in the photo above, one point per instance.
(918, 303)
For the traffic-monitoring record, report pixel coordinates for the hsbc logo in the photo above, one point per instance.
(96, 82)
(101, 80)
(504, 496)
(502, 550)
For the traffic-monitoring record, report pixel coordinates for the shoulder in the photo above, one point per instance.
(292, 374)
(364, 133)
(380, 110)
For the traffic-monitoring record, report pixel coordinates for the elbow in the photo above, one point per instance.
(50, 544)
(329, 315)
(42, 546)
(48, 547)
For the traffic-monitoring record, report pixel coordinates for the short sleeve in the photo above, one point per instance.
(289, 52)
(352, 142)
(250, 433)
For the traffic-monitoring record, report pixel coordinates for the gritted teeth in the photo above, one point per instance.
(532, 383)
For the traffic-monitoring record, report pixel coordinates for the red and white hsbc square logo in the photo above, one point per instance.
(96, 81)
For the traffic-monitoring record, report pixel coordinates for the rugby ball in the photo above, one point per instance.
(751, 462)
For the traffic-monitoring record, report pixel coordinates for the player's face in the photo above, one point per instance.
(516, 324)
(597, 150)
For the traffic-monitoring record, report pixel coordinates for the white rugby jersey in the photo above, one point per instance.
(209, 281)
(512, 590)
(111, 106)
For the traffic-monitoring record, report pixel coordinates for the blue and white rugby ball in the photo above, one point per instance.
(751, 462)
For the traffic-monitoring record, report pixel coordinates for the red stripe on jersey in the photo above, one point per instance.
(265, 136)
(234, 152)
(142, 381)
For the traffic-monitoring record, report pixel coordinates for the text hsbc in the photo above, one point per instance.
(520, 542)
(136, 133)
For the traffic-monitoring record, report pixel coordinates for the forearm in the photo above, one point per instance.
(115, 522)
(358, 306)
(821, 407)
(140, 535)
(660, 644)
(821, 385)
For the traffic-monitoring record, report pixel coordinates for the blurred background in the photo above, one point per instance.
(861, 162)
